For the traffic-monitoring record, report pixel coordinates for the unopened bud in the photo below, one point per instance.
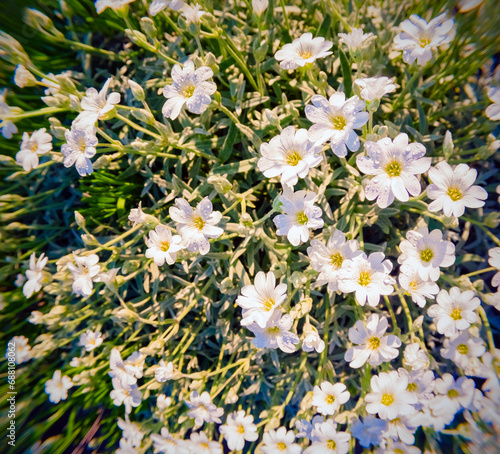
(80, 220)
(137, 90)
(148, 27)
(221, 184)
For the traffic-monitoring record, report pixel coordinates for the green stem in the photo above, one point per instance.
(36, 113)
(90, 49)
(136, 126)
(489, 334)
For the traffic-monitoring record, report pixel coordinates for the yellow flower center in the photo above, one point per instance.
(413, 285)
(393, 169)
(281, 446)
(188, 91)
(337, 259)
(81, 144)
(34, 147)
(241, 429)
(293, 158)
(268, 304)
(387, 399)
(424, 42)
(454, 194)
(412, 387)
(426, 255)
(398, 451)
(199, 223)
(373, 343)
(463, 349)
(165, 245)
(330, 399)
(273, 331)
(338, 122)
(205, 445)
(364, 278)
(453, 393)
(331, 444)
(456, 314)
(305, 54)
(302, 218)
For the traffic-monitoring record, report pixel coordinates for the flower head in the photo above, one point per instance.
(131, 431)
(355, 39)
(125, 394)
(166, 443)
(164, 371)
(494, 260)
(22, 350)
(327, 440)
(419, 290)
(259, 6)
(373, 88)
(452, 395)
(39, 143)
(34, 275)
(202, 409)
(159, 5)
(57, 387)
(303, 50)
(84, 272)
(91, 340)
(369, 431)
(200, 444)
(462, 349)
(276, 334)
(280, 441)
(238, 429)
(79, 148)
(162, 245)
(328, 398)
(493, 110)
(312, 340)
(192, 14)
(415, 357)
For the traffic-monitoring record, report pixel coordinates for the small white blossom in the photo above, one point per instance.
(190, 87)
(462, 349)
(372, 345)
(108, 278)
(23, 78)
(134, 364)
(259, 300)
(289, 155)
(162, 245)
(124, 394)
(373, 88)
(452, 189)
(159, 5)
(419, 290)
(91, 340)
(368, 277)
(32, 147)
(238, 429)
(119, 370)
(427, 252)
(279, 441)
(200, 444)
(198, 225)
(302, 51)
(101, 5)
(454, 311)
(418, 38)
(7, 128)
(494, 260)
(467, 5)
(166, 443)
(202, 409)
(300, 215)
(327, 440)
(328, 398)
(415, 357)
(164, 371)
(80, 146)
(394, 165)
(126, 447)
(163, 402)
(131, 432)
(306, 428)
(259, 6)
(192, 14)
(84, 272)
(420, 382)
(312, 340)
(451, 395)
(22, 350)
(355, 39)
(276, 334)
(400, 429)
(335, 120)
(57, 387)
(34, 275)
(493, 110)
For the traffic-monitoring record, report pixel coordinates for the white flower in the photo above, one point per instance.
(39, 143)
(22, 350)
(420, 382)
(452, 189)
(36, 318)
(83, 272)
(398, 448)
(462, 349)
(127, 395)
(394, 165)
(131, 432)
(328, 440)
(312, 341)
(454, 311)
(415, 357)
(91, 340)
(279, 441)
(290, 155)
(164, 371)
(134, 364)
(335, 120)
(137, 216)
(427, 252)
(34, 275)
(119, 370)
(198, 225)
(373, 88)
(259, 6)
(493, 110)
(452, 395)
(108, 278)
(368, 277)
(79, 148)
(373, 346)
(7, 128)
(163, 402)
(328, 260)
(369, 431)
(189, 87)
(389, 397)
(238, 429)
(126, 447)
(300, 215)
(355, 39)
(202, 409)
(418, 38)
(328, 398)
(57, 387)
(166, 443)
(101, 5)
(494, 260)
(259, 300)
(162, 245)
(410, 280)
(400, 429)
(306, 428)
(159, 5)
(192, 15)
(96, 106)
(302, 51)
(23, 78)
(276, 334)
(200, 444)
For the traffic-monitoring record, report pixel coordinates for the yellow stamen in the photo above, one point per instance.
(268, 304)
(330, 399)
(302, 218)
(456, 314)
(293, 158)
(393, 169)
(337, 259)
(305, 54)
(454, 194)
(188, 91)
(387, 399)
(338, 122)
(364, 278)
(374, 343)
(426, 255)
(463, 349)
(165, 245)
(199, 223)
(331, 444)
(453, 393)
(412, 387)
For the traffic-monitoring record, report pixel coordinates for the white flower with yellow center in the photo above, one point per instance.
(32, 147)
(389, 397)
(57, 387)
(419, 290)
(312, 340)
(355, 39)
(368, 277)
(80, 146)
(371, 344)
(289, 155)
(166, 443)
(162, 245)
(300, 215)
(84, 271)
(415, 358)
(420, 382)
(276, 334)
(328, 398)
(418, 38)
(34, 275)
(328, 259)
(394, 165)
(200, 444)
(202, 409)
(302, 51)
(462, 349)
(451, 395)
(259, 300)
(238, 429)
(279, 441)
(335, 120)
(453, 189)
(326, 440)
(131, 431)
(91, 340)
(190, 87)
(164, 371)
(159, 5)
(426, 252)
(454, 311)
(373, 88)
(22, 349)
(493, 110)
(198, 225)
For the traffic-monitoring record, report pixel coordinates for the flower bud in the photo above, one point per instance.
(80, 220)
(221, 184)
(137, 90)
(148, 27)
